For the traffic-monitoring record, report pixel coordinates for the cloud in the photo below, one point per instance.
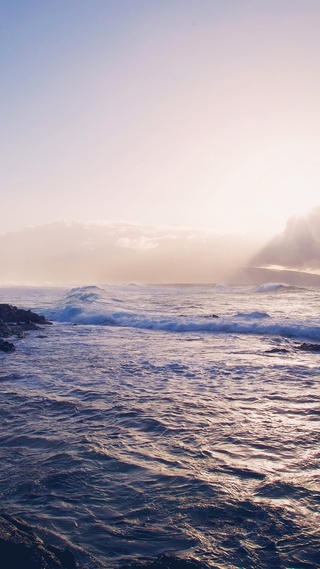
(142, 243)
(80, 253)
(297, 247)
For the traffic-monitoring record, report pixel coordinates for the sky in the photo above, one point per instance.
(184, 113)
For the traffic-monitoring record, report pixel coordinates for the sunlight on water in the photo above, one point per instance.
(167, 420)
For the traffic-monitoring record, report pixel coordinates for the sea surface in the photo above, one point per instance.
(166, 419)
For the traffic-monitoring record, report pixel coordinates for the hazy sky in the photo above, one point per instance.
(201, 113)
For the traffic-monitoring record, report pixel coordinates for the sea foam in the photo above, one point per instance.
(254, 323)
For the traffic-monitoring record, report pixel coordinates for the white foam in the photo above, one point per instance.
(254, 323)
(270, 287)
(157, 309)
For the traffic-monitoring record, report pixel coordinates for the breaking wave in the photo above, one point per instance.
(96, 306)
(278, 287)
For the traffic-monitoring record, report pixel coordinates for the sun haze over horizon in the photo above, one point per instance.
(196, 113)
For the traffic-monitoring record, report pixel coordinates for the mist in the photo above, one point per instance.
(62, 253)
(297, 247)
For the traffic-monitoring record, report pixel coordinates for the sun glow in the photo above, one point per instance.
(273, 186)
(289, 193)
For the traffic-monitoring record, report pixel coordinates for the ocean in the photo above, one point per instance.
(166, 419)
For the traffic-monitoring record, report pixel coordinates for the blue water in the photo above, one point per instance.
(140, 423)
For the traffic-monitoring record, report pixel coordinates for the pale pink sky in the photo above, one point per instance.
(201, 113)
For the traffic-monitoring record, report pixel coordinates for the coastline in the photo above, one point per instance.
(17, 322)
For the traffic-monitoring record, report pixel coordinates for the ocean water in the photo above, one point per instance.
(170, 419)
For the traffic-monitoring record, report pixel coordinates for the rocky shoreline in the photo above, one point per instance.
(16, 322)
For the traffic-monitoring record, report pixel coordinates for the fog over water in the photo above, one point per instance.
(69, 253)
(298, 246)
(63, 253)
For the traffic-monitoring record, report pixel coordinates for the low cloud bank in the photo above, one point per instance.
(75, 253)
(297, 247)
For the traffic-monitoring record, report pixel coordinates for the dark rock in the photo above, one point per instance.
(12, 314)
(21, 548)
(6, 346)
(309, 347)
(15, 322)
(7, 330)
(166, 562)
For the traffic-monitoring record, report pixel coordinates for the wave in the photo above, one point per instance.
(262, 288)
(85, 293)
(275, 287)
(269, 287)
(252, 315)
(254, 323)
(221, 287)
(114, 307)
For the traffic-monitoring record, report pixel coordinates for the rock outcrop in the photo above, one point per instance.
(306, 347)
(6, 346)
(12, 314)
(21, 548)
(15, 322)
